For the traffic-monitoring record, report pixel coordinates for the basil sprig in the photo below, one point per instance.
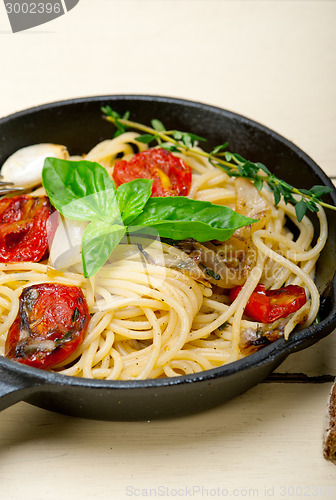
(83, 190)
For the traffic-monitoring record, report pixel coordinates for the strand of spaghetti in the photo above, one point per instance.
(107, 149)
(127, 313)
(184, 367)
(228, 312)
(300, 315)
(198, 181)
(117, 303)
(18, 266)
(294, 268)
(242, 300)
(172, 325)
(175, 344)
(169, 372)
(117, 365)
(184, 320)
(86, 361)
(308, 268)
(201, 319)
(130, 332)
(214, 194)
(294, 253)
(26, 276)
(213, 354)
(105, 347)
(90, 292)
(19, 289)
(221, 178)
(136, 325)
(156, 344)
(97, 325)
(202, 360)
(5, 304)
(189, 288)
(14, 307)
(90, 345)
(214, 343)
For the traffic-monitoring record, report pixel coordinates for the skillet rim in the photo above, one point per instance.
(279, 349)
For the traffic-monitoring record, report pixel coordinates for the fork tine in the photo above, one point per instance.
(10, 190)
(6, 183)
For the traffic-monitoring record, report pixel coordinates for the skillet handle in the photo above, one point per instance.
(14, 386)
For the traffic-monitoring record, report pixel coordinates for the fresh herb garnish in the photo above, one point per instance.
(212, 273)
(233, 164)
(223, 325)
(75, 315)
(67, 336)
(83, 190)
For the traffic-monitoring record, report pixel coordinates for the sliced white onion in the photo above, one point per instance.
(66, 246)
(24, 167)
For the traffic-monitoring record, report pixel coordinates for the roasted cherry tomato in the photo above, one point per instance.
(24, 228)
(51, 324)
(268, 306)
(285, 301)
(171, 175)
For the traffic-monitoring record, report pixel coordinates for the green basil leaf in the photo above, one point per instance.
(180, 217)
(132, 197)
(80, 190)
(99, 240)
(99, 206)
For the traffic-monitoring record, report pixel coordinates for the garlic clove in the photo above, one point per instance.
(24, 167)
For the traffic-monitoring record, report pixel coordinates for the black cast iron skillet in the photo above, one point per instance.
(78, 125)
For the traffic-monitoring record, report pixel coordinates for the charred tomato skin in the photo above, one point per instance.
(51, 324)
(25, 228)
(171, 175)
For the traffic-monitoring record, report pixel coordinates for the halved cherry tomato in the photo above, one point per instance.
(24, 227)
(171, 175)
(268, 306)
(50, 325)
(285, 301)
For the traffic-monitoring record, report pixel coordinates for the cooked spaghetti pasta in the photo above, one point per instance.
(153, 312)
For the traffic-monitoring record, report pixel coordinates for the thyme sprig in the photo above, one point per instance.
(232, 163)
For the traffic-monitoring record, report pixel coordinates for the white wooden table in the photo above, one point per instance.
(274, 62)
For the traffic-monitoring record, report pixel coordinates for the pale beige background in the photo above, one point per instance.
(273, 61)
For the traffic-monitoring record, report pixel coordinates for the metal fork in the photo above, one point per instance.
(6, 190)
